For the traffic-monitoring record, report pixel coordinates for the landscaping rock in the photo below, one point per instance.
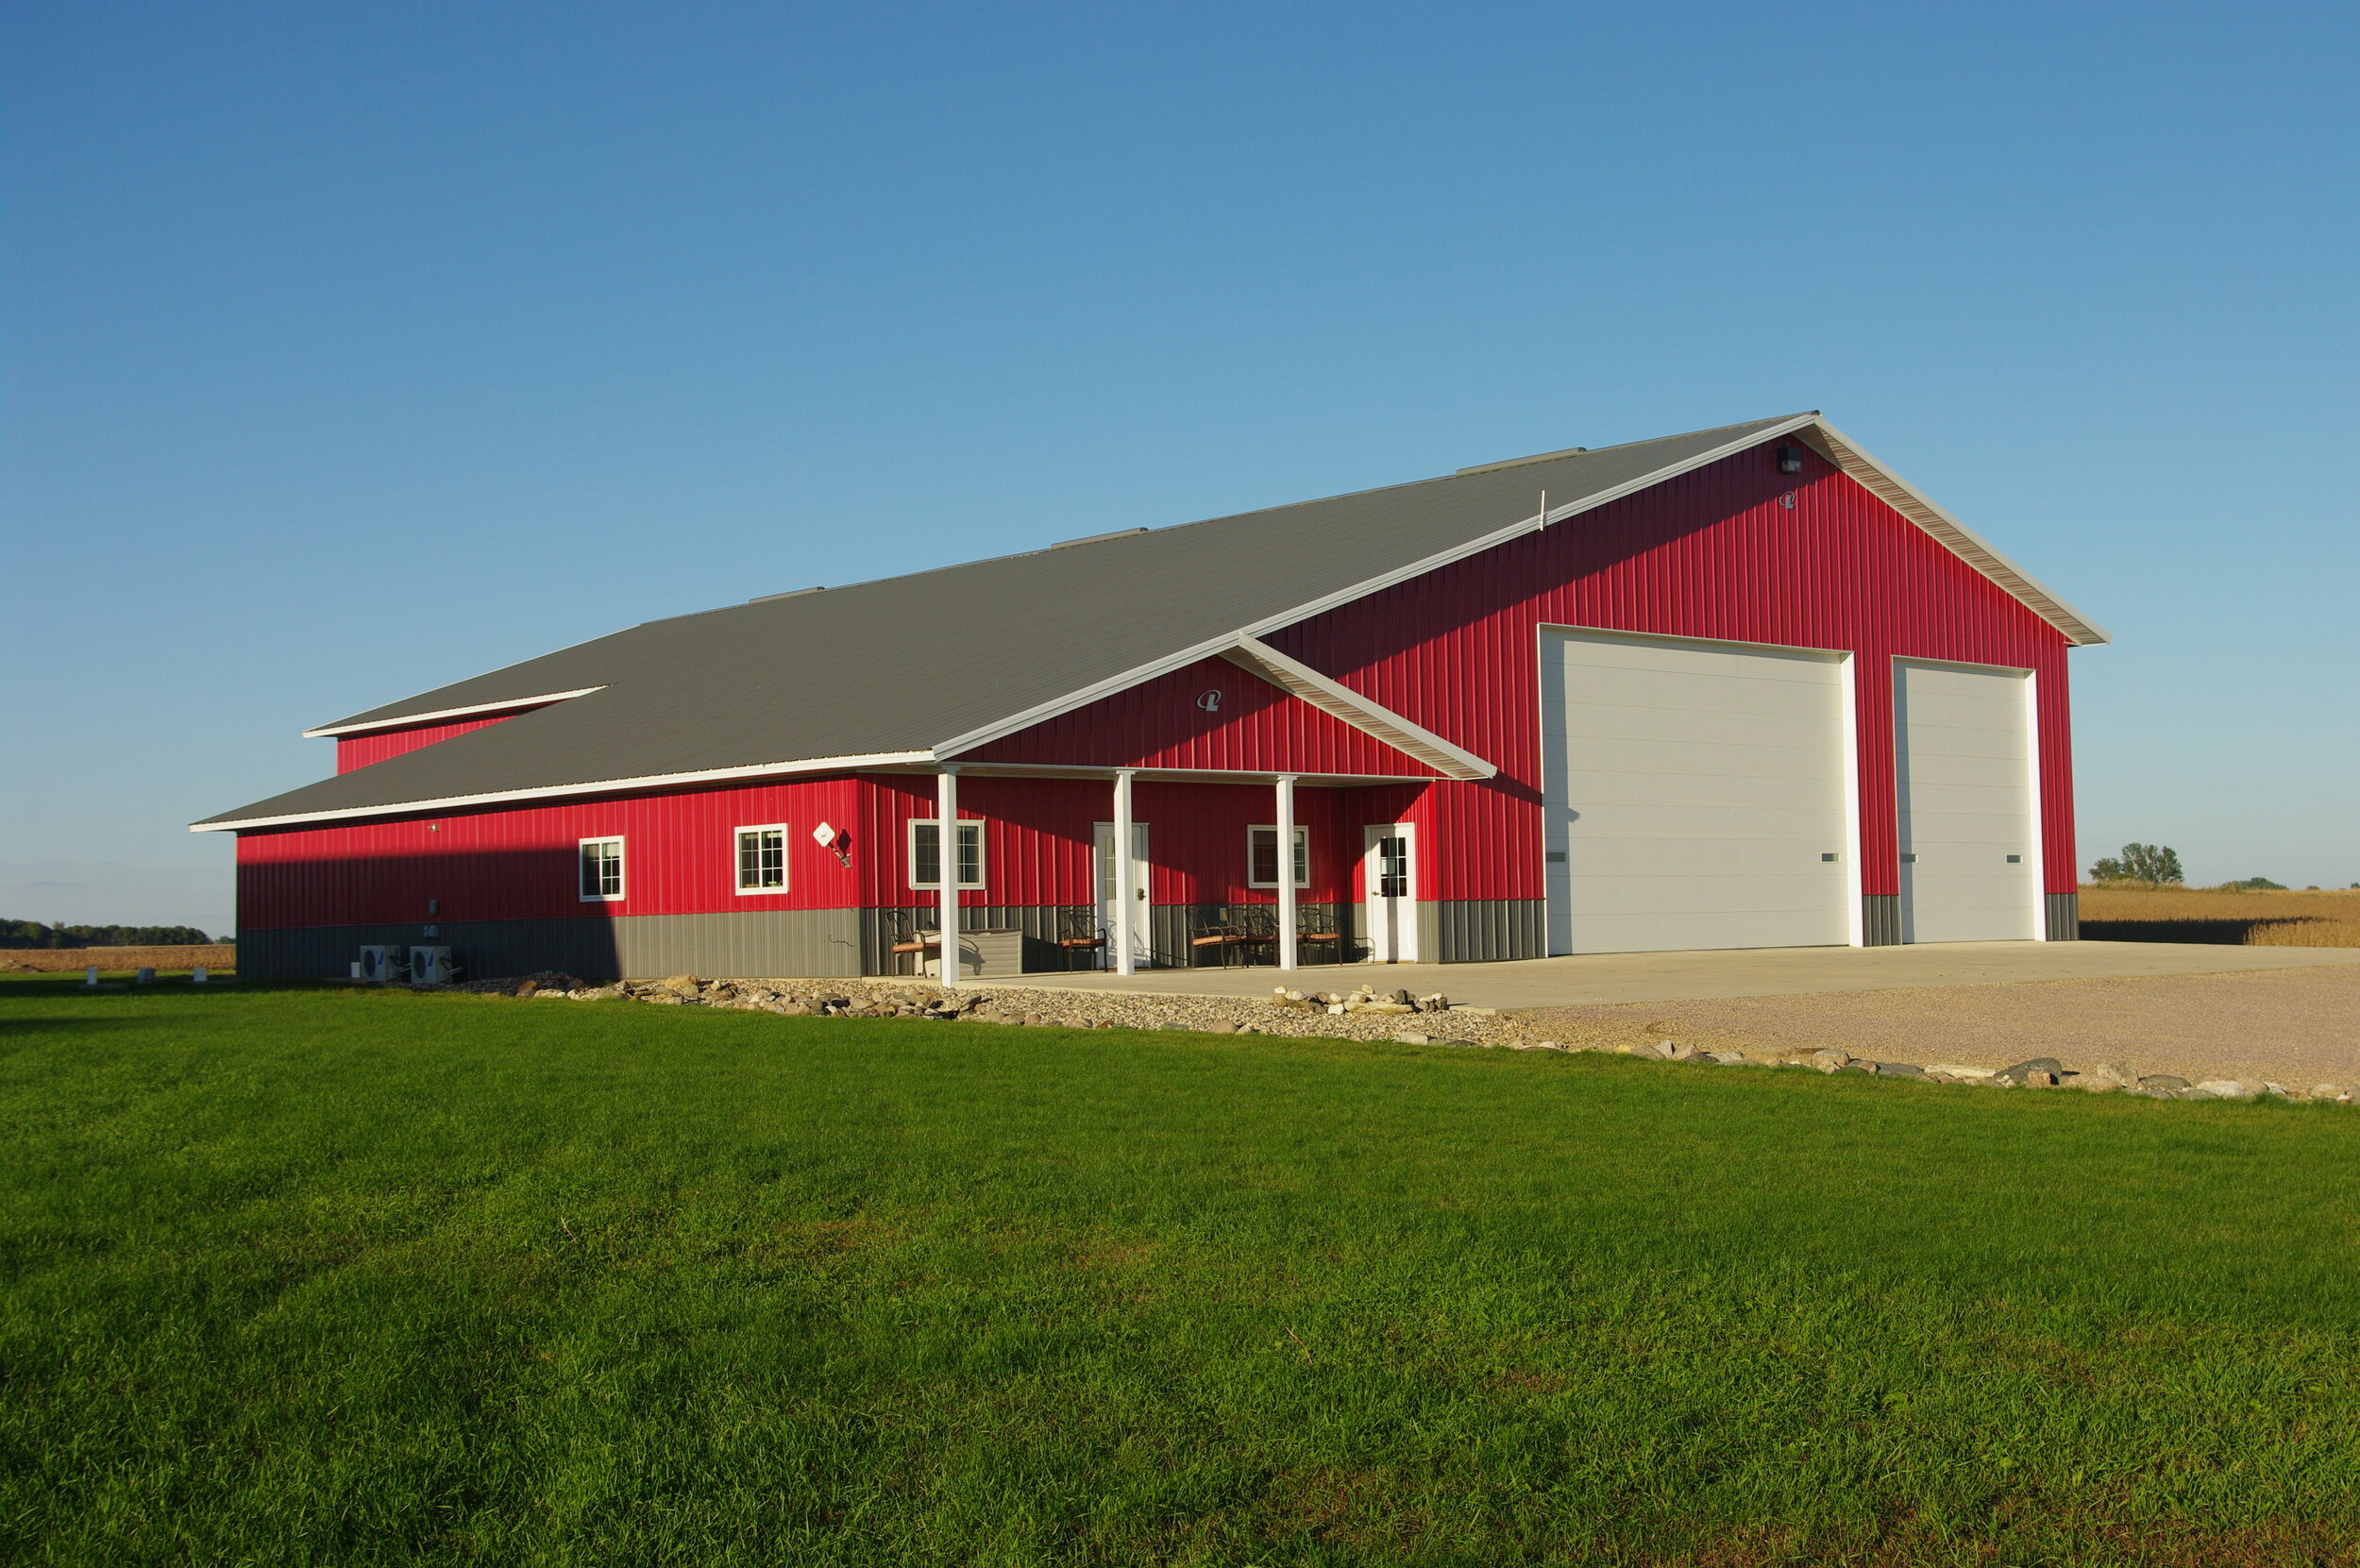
(1830, 1060)
(2022, 1071)
(1410, 1037)
(1899, 1069)
(1952, 1069)
(2225, 1089)
(2164, 1080)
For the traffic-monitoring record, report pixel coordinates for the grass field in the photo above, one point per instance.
(304, 1277)
(2292, 919)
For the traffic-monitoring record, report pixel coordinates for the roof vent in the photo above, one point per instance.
(1520, 462)
(791, 593)
(1097, 538)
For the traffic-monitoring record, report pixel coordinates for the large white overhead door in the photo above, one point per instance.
(1970, 861)
(1694, 795)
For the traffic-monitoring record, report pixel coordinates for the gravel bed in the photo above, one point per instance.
(1368, 1014)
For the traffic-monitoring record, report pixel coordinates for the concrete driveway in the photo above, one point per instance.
(1597, 979)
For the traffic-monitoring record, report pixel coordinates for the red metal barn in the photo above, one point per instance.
(1743, 688)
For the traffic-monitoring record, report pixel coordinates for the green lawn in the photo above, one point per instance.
(320, 1276)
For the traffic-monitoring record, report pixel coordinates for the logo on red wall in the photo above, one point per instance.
(1210, 700)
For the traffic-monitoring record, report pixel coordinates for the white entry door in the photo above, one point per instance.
(1389, 881)
(1102, 866)
(1963, 760)
(1694, 795)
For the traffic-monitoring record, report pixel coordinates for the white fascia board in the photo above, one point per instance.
(1374, 718)
(1040, 712)
(441, 715)
(554, 792)
(1955, 536)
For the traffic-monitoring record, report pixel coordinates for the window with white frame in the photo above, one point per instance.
(925, 858)
(601, 870)
(762, 859)
(1261, 856)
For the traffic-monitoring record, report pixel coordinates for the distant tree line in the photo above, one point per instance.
(32, 934)
(2154, 863)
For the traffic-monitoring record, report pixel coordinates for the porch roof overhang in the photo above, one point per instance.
(1167, 775)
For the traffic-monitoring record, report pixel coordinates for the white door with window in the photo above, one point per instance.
(1103, 868)
(1969, 827)
(1390, 891)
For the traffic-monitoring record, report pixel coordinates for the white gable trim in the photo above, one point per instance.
(1955, 536)
(1349, 706)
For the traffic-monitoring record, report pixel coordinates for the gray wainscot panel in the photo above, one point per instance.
(2065, 916)
(1881, 920)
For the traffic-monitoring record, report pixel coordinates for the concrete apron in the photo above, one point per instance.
(1606, 978)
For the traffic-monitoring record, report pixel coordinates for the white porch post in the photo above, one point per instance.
(1126, 894)
(1285, 870)
(946, 840)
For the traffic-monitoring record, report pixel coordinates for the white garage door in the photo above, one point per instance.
(1694, 795)
(1970, 863)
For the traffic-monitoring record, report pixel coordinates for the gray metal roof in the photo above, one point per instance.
(860, 672)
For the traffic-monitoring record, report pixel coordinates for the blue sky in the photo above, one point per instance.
(352, 349)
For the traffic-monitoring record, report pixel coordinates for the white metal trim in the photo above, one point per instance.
(2038, 851)
(412, 721)
(1856, 906)
(554, 792)
(737, 864)
(1835, 654)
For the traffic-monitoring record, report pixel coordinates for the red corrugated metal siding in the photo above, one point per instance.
(360, 750)
(1716, 555)
(680, 857)
(1159, 723)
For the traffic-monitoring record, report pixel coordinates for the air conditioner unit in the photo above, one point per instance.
(430, 967)
(380, 964)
